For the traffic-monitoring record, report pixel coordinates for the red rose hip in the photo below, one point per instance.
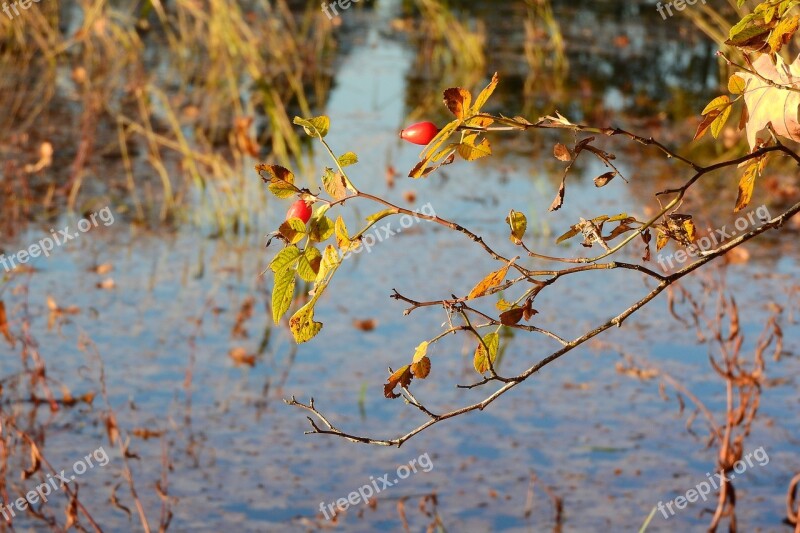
(420, 133)
(300, 209)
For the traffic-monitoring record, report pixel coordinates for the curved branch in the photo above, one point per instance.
(618, 320)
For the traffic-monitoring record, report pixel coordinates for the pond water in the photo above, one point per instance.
(611, 446)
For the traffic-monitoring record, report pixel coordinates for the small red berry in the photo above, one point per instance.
(300, 209)
(420, 133)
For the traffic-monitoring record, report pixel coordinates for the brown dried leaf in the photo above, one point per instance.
(458, 101)
(422, 368)
(401, 377)
(562, 153)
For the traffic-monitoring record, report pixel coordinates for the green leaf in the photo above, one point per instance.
(293, 230)
(282, 293)
(280, 180)
(347, 159)
(302, 323)
(316, 127)
(320, 229)
(518, 224)
(481, 359)
(284, 259)
(309, 264)
(741, 25)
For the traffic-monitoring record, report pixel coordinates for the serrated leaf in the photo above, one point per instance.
(316, 127)
(420, 352)
(518, 224)
(422, 368)
(347, 159)
(782, 33)
(503, 305)
(279, 180)
(293, 230)
(284, 259)
(489, 282)
(458, 101)
(470, 152)
(482, 357)
(342, 237)
(330, 260)
(484, 96)
(334, 184)
(302, 323)
(320, 228)
(282, 293)
(308, 264)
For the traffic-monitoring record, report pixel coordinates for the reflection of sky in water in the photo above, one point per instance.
(612, 449)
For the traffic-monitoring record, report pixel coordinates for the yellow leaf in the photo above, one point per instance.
(420, 352)
(717, 104)
(736, 84)
(302, 323)
(282, 293)
(518, 224)
(488, 283)
(481, 359)
(485, 94)
(746, 186)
